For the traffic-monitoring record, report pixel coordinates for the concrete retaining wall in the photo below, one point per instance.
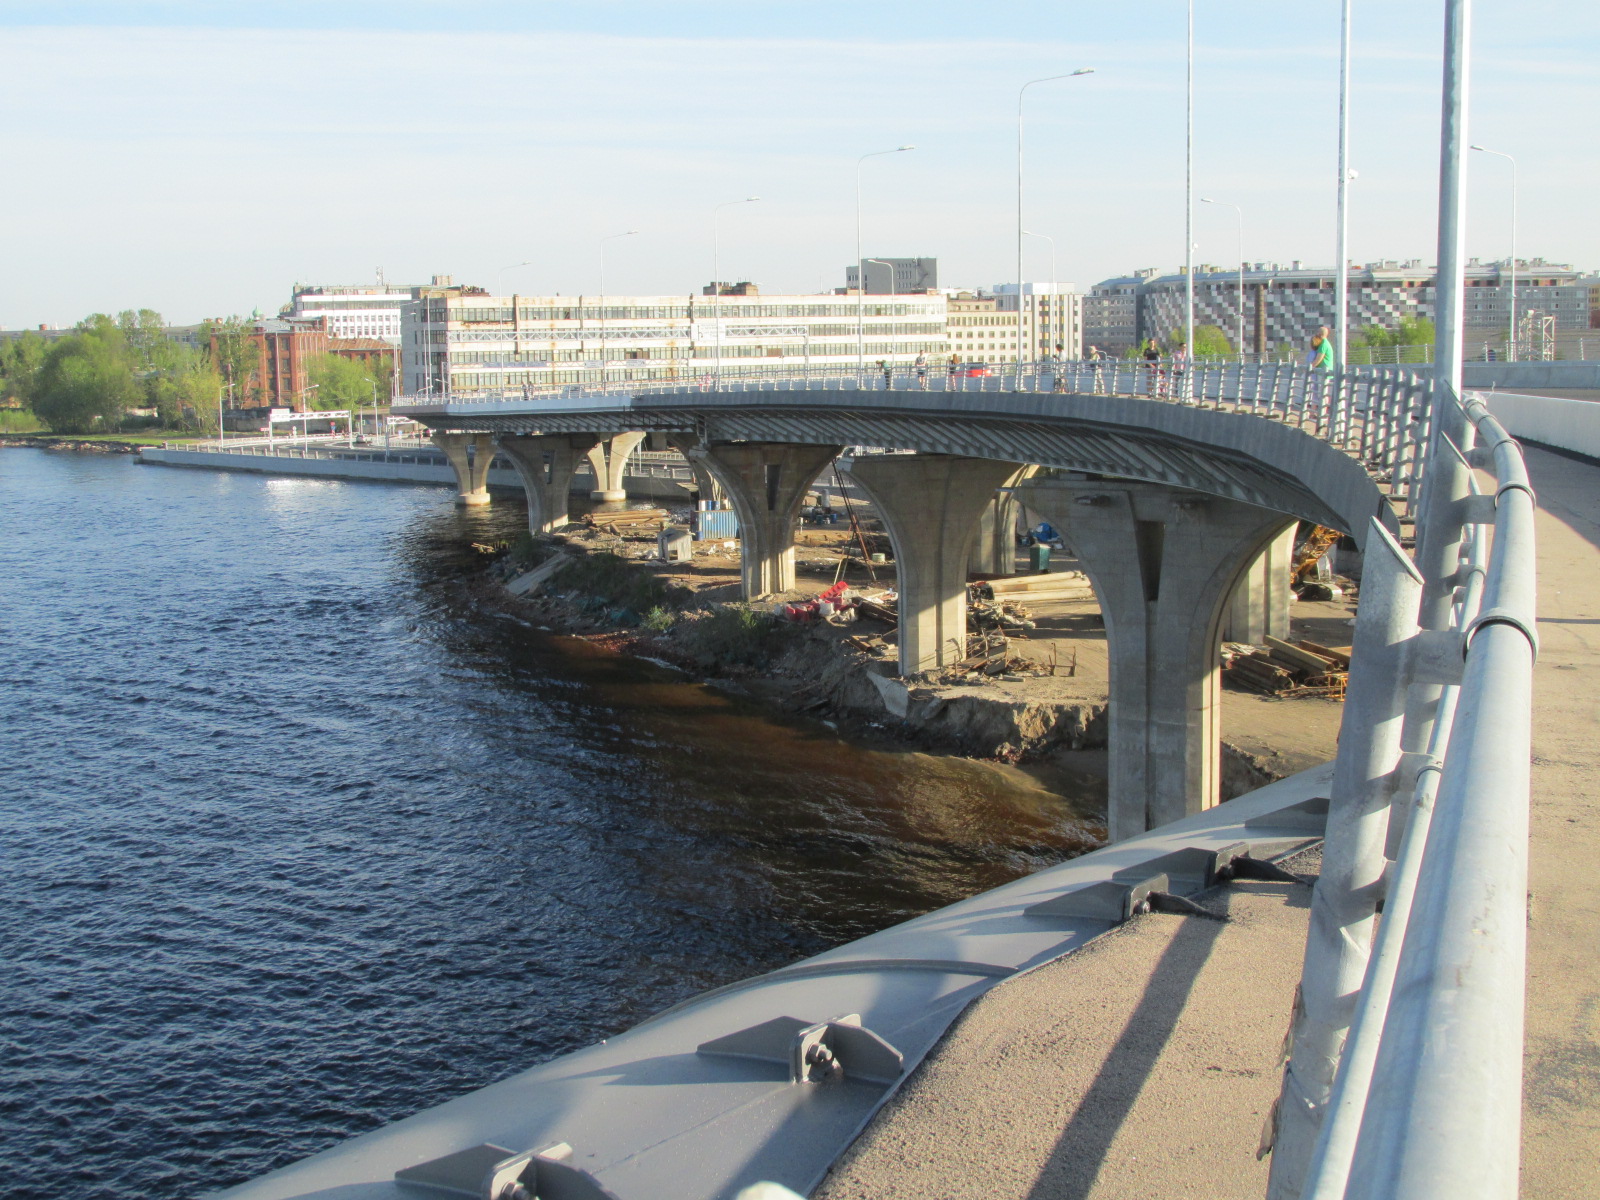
(1509, 376)
(1565, 424)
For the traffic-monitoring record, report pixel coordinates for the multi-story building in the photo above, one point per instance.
(463, 340)
(1111, 313)
(1052, 320)
(359, 310)
(894, 276)
(1284, 306)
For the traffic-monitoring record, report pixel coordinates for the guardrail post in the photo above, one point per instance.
(1344, 902)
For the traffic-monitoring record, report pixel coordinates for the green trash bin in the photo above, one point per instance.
(1038, 559)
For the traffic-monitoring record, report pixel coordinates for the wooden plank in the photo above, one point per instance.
(1305, 659)
(1339, 654)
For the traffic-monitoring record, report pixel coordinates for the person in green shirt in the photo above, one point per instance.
(1321, 356)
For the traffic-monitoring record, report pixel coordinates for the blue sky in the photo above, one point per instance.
(200, 158)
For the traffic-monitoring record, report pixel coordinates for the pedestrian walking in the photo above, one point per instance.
(922, 371)
(888, 373)
(1320, 357)
(1152, 359)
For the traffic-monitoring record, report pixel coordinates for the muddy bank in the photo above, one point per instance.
(840, 673)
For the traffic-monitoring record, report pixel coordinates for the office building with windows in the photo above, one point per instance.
(361, 310)
(461, 340)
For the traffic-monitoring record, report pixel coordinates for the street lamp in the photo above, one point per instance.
(861, 266)
(1239, 212)
(1341, 287)
(602, 309)
(1511, 340)
(1053, 281)
(1188, 207)
(1021, 91)
(716, 267)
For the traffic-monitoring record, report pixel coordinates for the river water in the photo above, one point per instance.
(301, 835)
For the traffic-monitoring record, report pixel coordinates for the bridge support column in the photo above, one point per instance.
(546, 465)
(609, 458)
(470, 455)
(931, 504)
(995, 551)
(1163, 563)
(1259, 605)
(767, 482)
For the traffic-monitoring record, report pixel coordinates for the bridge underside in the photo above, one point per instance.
(1235, 456)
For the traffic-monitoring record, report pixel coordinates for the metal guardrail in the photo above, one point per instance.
(1426, 1102)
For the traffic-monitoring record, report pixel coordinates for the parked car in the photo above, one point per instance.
(972, 370)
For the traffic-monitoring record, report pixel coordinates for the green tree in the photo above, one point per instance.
(1411, 331)
(20, 360)
(1209, 342)
(144, 332)
(86, 381)
(347, 383)
(236, 356)
(182, 386)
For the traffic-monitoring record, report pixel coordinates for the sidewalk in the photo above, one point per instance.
(1561, 1088)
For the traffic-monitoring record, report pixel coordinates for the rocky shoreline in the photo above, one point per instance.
(49, 441)
(843, 674)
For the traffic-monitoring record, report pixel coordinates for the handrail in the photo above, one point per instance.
(1426, 1104)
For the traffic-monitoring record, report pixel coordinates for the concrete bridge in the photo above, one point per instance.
(1405, 1041)
(1180, 511)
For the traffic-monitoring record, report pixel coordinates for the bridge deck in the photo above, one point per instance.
(1143, 1066)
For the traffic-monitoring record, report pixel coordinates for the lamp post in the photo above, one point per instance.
(1022, 91)
(716, 267)
(1053, 281)
(602, 309)
(1188, 204)
(1239, 212)
(1341, 286)
(861, 271)
(1511, 337)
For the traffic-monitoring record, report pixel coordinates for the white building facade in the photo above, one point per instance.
(361, 310)
(463, 341)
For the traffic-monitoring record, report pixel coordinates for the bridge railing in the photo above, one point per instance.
(1378, 414)
(1426, 1103)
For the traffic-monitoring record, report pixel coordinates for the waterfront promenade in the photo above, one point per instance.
(1045, 1090)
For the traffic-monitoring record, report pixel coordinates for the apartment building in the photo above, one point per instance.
(461, 340)
(1283, 306)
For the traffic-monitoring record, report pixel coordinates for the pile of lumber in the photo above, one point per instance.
(637, 522)
(990, 664)
(1048, 588)
(1283, 668)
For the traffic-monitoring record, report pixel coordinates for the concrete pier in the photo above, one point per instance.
(469, 455)
(1163, 563)
(930, 504)
(546, 466)
(1259, 606)
(767, 483)
(609, 458)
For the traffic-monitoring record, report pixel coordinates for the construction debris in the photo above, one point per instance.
(1282, 668)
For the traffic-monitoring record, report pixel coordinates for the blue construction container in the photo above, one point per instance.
(715, 524)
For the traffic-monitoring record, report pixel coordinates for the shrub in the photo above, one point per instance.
(736, 635)
(617, 583)
(659, 620)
